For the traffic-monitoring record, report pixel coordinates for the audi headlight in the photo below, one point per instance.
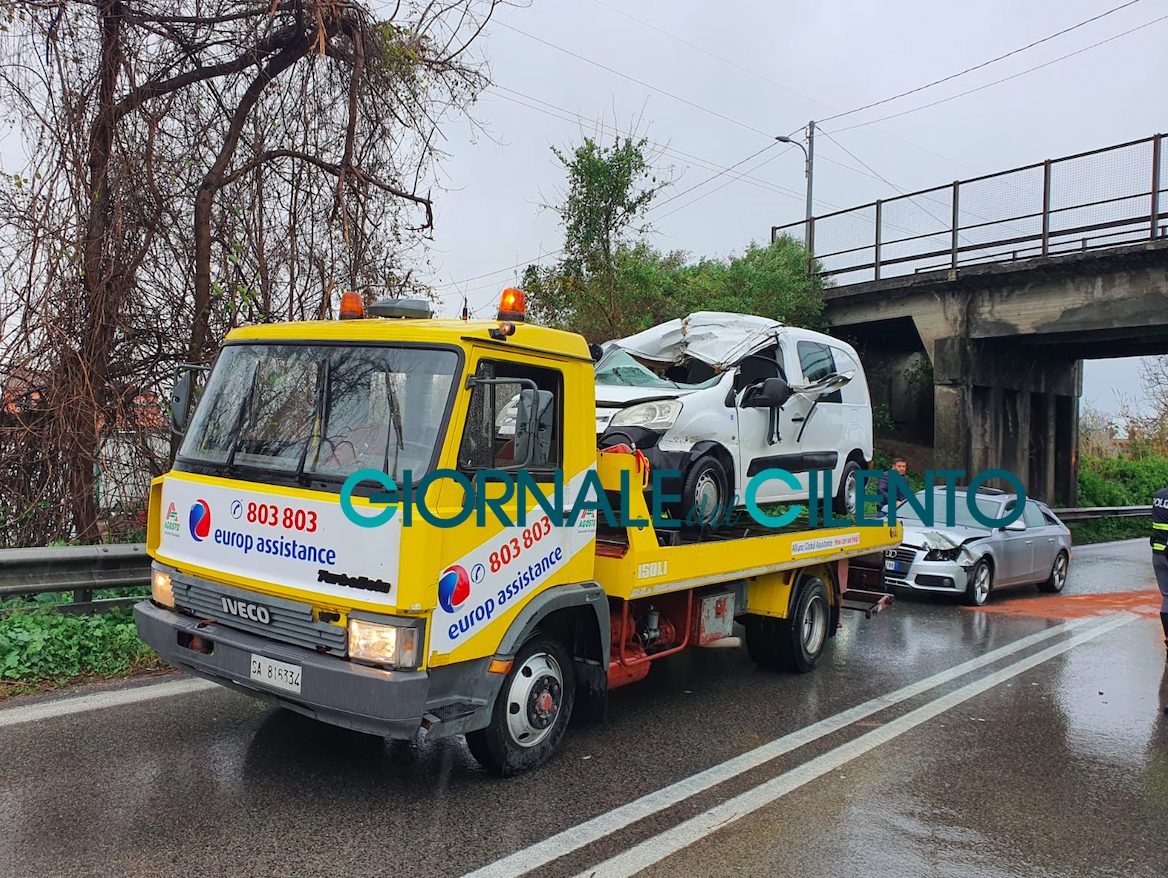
(658, 415)
(943, 554)
(393, 646)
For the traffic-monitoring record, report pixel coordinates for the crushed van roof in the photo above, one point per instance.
(718, 338)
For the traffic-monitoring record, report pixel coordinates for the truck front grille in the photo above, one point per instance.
(288, 621)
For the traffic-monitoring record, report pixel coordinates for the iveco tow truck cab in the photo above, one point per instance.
(400, 614)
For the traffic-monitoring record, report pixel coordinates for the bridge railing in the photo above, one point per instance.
(1088, 201)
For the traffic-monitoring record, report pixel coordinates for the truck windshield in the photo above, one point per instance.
(317, 410)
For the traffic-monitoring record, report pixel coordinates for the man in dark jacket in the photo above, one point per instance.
(1160, 552)
(901, 466)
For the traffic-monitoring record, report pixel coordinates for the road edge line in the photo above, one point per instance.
(14, 716)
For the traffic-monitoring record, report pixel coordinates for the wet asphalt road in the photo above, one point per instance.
(1051, 760)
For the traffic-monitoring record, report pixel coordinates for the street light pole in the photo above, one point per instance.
(809, 171)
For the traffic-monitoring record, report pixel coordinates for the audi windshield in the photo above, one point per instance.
(309, 413)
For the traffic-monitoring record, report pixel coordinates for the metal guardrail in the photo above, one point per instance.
(81, 570)
(1092, 200)
(1088, 513)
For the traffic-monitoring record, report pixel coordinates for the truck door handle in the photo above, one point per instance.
(797, 420)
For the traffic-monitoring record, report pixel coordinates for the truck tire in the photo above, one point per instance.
(795, 644)
(531, 712)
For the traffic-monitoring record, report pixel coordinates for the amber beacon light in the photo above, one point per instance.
(352, 306)
(513, 305)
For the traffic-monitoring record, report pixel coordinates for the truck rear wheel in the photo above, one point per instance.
(795, 644)
(531, 712)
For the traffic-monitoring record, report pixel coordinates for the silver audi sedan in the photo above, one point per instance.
(969, 559)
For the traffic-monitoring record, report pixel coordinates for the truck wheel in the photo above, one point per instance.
(706, 491)
(531, 711)
(844, 504)
(795, 644)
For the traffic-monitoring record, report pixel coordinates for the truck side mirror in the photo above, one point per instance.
(181, 394)
(180, 400)
(533, 426)
(772, 393)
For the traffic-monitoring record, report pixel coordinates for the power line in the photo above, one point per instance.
(1005, 78)
(704, 163)
(682, 207)
(747, 126)
(655, 207)
(713, 55)
(567, 115)
(986, 63)
(778, 84)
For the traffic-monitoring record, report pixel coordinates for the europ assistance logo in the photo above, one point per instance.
(200, 520)
(453, 587)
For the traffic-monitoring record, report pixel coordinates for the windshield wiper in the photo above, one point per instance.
(318, 414)
(244, 415)
(395, 422)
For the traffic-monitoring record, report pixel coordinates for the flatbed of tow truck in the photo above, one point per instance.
(754, 571)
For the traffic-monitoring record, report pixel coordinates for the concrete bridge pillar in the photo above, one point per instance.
(1007, 405)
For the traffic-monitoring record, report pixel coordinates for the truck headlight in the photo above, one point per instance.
(658, 415)
(161, 589)
(394, 646)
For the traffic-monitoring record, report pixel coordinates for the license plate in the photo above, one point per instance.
(895, 567)
(278, 675)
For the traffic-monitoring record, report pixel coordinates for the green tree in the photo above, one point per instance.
(609, 189)
(611, 283)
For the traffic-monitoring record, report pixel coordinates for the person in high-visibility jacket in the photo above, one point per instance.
(1160, 552)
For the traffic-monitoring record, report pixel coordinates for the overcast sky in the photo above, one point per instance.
(782, 64)
(777, 66)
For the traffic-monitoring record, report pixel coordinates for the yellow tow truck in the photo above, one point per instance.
(315, 543)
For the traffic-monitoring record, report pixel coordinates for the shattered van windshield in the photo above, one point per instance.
(620, 368)
(323, 410)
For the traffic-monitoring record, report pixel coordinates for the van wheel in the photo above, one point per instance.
(845, 499)
(795, 644)
(531, 712)
(705, 492)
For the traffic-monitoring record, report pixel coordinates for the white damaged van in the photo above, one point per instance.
(720, 397)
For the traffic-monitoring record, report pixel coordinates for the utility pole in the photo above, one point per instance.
(809, 228)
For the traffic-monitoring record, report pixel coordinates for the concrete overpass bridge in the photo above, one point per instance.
(974, 304)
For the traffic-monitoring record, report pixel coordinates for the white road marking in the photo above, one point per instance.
(14, 716)
(657, 848)
(562, 843)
